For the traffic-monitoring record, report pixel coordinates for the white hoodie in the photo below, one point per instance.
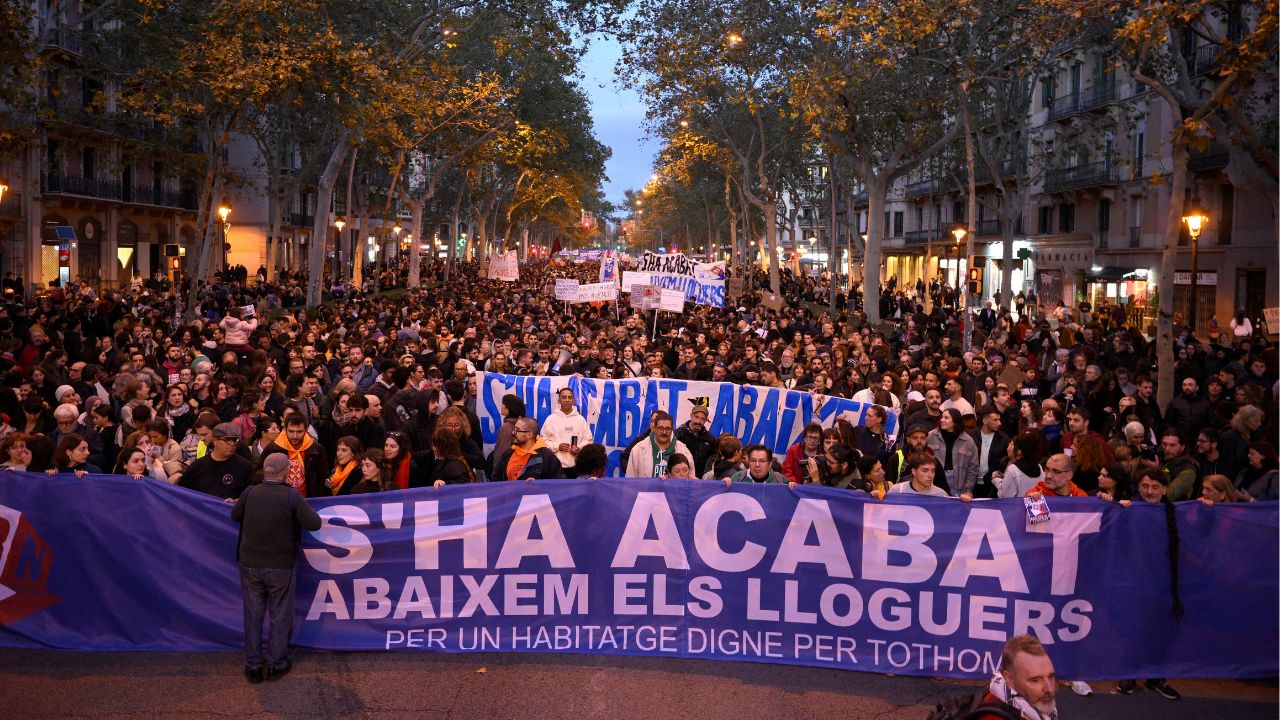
(560, 428)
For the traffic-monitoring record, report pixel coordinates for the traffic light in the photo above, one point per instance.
(975, 281)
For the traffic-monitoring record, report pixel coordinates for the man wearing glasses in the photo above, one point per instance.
(221, 472)
(529, 457)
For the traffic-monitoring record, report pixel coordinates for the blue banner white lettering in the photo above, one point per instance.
(618, 410)
(689, 569)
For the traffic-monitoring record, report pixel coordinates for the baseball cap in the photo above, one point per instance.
(274, 467)
(226, 430)
(918, 428)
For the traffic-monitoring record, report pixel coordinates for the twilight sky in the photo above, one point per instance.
(618, 113)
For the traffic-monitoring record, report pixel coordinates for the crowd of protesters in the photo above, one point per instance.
(373, 392)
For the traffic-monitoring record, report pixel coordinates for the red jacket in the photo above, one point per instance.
(793, 466)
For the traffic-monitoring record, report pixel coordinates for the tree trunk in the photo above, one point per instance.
(831, 236)
(320, 224)
(1165, 356)
(971, 222)
(770, 210)
(871, 252)
(415, 247)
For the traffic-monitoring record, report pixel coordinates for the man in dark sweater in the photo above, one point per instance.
(271, 516)
(221, 472)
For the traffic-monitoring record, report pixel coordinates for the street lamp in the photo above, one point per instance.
(339, 223)
(3, 189)
(1195, 218)
(959, 231)
(224, 210)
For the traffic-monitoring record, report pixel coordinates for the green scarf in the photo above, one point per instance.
(660, 457)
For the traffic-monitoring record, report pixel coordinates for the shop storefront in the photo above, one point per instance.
(1127, 287)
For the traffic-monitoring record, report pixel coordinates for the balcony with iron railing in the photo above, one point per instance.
(1081, 176)
(149, 195)
(1206, 59)
(922, 237)
(990, 228)
(299, 220)
(62, 38)
(1213, 157)
(1099, 94)
(921, 189)
(59, 184)
(1061, 107)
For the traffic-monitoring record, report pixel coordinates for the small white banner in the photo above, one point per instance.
(566, 290)
(597, 292)
(672, 300)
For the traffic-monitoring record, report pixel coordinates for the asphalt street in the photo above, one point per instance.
(155, 686)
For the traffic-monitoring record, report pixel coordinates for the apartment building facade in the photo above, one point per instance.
(1095, 161)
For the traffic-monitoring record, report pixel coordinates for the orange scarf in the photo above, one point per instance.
(296, 476)
(340, 475)
(520, 458)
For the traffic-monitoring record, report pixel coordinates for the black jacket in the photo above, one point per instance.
(315, 467)
(271, 516)
(701, 444)
(542, 466)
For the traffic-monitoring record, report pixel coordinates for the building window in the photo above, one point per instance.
(88, 163)
(897, 223)
(1104, 215)
(1046, 92)
(1045, 224)
(1066, 218)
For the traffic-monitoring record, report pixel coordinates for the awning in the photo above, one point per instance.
(1114, 274)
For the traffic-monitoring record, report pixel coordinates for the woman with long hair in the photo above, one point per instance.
(265, 432)
(1217, 489)
(72, 456)
(450, 466)
(136, 464)
(177, 411)
(346, 461)
(268, 383)
(1257, 481)
(375, 473)
(1087, 452)
(1023, 472)
(406, 467)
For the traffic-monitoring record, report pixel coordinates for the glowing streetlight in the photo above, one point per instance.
(733, 39)
(3, 189)
(1195, 217)
(339, 223)
(223, 212)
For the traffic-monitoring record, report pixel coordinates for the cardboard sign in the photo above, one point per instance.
(630, 278)
(646, 297)
(736, 287)
(1271, 316)
(671, 300)
(773, 302)
(567, 289)
(597, 292)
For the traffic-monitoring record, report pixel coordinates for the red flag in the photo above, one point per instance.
(555, 247)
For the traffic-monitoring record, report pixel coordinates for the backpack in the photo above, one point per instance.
(965, 707)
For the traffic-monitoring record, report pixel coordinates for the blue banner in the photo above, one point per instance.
(811, 576)
(618, 410)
